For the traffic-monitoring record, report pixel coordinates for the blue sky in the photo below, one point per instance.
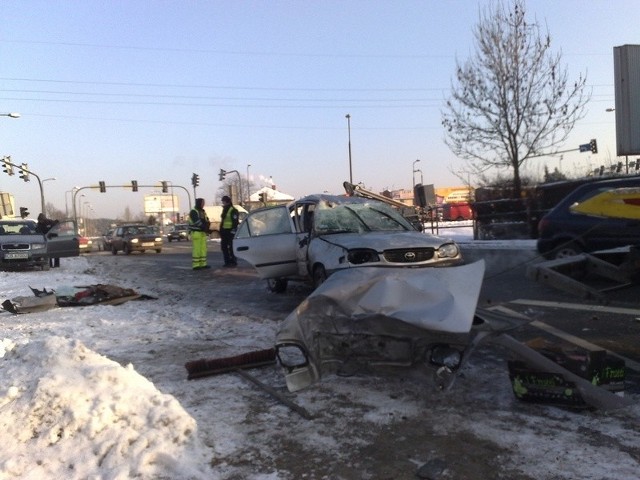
(158, 90)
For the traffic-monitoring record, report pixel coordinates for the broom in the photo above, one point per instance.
(212, 366)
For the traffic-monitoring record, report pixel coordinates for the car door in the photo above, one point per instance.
(267, 240)
(63, 240)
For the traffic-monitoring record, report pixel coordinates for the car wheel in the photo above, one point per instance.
(319, 276)
(114, 250)
(567, 249)
(277, 285)
(170, 239)
(158, 250)
(126, 249)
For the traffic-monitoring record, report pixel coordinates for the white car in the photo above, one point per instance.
(313, 237)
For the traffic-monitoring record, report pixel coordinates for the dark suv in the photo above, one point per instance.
(567, 230)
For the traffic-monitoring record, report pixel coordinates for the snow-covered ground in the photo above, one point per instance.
(72, 408)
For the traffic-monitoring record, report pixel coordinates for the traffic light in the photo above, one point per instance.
(594, 146)
(24, 172)
(195, 180)
(134, 185)
(24, 212)
(103, 187)
(222, 174)
(165, 188)
(8, 167)
(262, 197)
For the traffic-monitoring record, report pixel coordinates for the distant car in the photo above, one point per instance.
(86, 244)
(135, 238)
(567, 230)
(179, 232)
(313, 237)
(22, 247)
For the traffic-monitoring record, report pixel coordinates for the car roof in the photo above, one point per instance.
(343, 199)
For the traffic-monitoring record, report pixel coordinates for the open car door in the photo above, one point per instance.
(63, 240)
(267, 240)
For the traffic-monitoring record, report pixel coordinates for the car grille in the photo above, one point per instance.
(15, 246)
(408, 255)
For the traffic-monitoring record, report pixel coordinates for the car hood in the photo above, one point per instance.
(146, 238)
(385, 240)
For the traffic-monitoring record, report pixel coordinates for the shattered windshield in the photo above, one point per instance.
(358, 218)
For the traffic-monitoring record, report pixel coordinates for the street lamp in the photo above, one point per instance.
(248, 185)
(42, 183)
(12, 115)
(348, 117)
(414, 172)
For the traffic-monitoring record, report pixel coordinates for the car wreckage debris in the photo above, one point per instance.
(237, 364)
(212, 366)
(78, 296)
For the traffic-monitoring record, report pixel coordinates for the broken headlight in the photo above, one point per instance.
(362, 255)
(448, 250)
(445, 356)
(291, 356)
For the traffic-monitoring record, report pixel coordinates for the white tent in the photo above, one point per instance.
(271, 194)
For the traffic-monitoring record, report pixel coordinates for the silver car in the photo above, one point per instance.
(313, 237)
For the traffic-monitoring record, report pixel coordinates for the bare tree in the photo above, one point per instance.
(512, 101)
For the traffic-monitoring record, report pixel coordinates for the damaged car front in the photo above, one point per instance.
(381, 320)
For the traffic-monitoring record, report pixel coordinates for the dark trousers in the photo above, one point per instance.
(226, 244)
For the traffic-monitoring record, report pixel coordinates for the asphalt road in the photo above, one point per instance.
(558, 316)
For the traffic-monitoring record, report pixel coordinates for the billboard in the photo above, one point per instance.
(626, 66)
(161, 203)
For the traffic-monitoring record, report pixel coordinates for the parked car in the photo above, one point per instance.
(135, 238)
(22, 247)
(569, 229)
(179, 232)
(313, 237)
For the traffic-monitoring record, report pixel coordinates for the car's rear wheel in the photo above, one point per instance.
(566, 249)
(277, 285)
(158, 250)
(319, 275)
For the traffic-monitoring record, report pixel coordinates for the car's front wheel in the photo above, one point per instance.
(277, 285)
(126, 249)
(114, 250)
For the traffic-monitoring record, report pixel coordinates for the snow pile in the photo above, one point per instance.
(68, 412)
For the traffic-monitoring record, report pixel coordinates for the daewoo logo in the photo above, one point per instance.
(410, 256)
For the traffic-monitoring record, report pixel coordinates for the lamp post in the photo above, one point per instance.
(66, 206)
(414, 172)
(45, 180)
(348, 117)
(248, 185)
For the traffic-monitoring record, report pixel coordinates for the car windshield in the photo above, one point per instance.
(358, 218)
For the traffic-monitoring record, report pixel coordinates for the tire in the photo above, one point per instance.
(158, 250)
(319, 276)
(170, 240)
(114, 250)
(277, 285)
(126, 249)
(566, 249)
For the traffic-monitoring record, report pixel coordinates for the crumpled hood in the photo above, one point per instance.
(385, 240)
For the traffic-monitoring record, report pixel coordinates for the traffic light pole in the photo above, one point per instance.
(24, 169)
(98, 187)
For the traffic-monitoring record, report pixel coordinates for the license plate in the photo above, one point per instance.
(148, 244)
(15, 256)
